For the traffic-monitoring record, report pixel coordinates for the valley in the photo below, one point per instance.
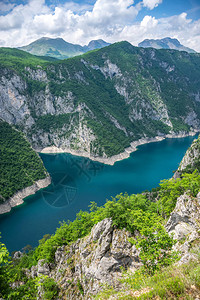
(69, 134)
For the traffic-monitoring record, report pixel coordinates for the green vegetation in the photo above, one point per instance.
(17, 60)
(180, 282)
(49, 122)
(173, 188)
(159, 82)
(20, 165)
(59, 48)
(123, 91)
(136, 213)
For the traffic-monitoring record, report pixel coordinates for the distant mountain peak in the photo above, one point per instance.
(59, 48)
(96, 44)
(165, 43)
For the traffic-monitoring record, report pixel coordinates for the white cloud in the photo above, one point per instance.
(6, 6)
(151, 4)
(111, 20)
(77, 8)
(185, 30)
(149, 22)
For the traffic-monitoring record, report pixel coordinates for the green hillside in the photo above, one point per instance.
(59, 48)
(117, 94)
(20, 166)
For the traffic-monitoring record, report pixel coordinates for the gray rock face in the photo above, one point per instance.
(91, 261)
(192, 153)
(17, 255)
(184, 224)
(84, 267)
(65, 105)
(42, 268)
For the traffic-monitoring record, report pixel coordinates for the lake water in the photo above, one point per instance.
(77, 181)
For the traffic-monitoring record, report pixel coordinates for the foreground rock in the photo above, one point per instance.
(83, 268)
(87, 266)
(184, 225)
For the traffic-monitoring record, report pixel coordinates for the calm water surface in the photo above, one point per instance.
(77, 181)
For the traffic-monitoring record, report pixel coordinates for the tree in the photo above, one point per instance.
(4, 260)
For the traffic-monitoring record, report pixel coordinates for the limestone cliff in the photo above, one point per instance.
(87, 266)
(184, 225)
(191, 158)
(102, 101)
(91, 262)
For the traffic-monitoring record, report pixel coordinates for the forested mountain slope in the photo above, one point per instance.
(20, 166)
(100, 102)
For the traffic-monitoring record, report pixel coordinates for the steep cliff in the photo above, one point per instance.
(98, 262)
(91, 262)
(100, 102)
(191, 160)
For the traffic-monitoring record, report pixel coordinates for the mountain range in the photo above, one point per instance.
(59, 48)
(98, 103)
(166, 43)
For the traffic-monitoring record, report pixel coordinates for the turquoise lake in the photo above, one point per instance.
(77, 181)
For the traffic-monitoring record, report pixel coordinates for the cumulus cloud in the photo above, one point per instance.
(149, 22)
(178, 26)
(151, 4)
(112, 20)
(6, 6)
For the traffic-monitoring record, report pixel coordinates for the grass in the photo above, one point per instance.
(174, 282)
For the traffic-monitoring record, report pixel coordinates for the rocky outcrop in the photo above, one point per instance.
(85, 267)
(184, 224)
(91, 262)
(17, 199)
(191, 155)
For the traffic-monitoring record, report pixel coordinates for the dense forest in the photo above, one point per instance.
(19, 164)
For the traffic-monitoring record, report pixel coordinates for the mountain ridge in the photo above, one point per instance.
(59, 48)
(102, 101)
(165, 43)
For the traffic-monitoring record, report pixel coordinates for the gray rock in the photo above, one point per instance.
(17, 255)
(95, 260)
(43, 268)
(186, 258)
(33, 271)
(184, 224)
(191, 155)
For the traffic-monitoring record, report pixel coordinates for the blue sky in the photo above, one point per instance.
(23, 21)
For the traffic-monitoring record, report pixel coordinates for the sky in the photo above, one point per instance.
(80, 21)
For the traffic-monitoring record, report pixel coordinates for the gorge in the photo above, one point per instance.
(77, 181)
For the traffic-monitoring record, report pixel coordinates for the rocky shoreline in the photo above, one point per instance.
(17, 199)
(113, 159)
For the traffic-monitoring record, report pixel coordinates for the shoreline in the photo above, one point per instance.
(118, 157)
(17, 198)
